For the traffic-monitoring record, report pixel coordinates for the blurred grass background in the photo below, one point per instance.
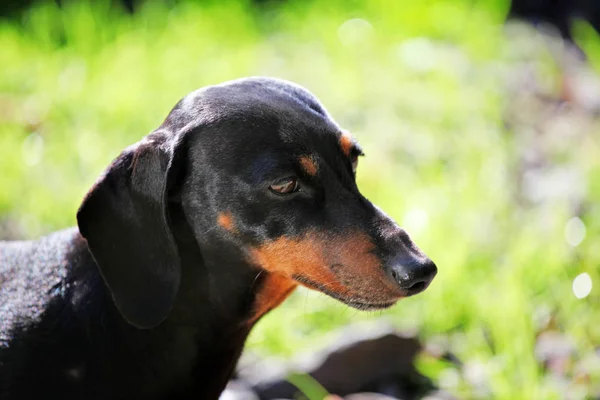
(497, 183)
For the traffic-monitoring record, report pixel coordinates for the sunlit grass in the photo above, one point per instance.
(423, 86)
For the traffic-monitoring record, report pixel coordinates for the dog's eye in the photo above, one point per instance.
(285, 186)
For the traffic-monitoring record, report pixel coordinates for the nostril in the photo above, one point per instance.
(395, 275)
(416, 287)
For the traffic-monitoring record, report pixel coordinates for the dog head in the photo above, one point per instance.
(257, 164)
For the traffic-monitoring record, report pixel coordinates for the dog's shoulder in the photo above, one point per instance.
(35, 273)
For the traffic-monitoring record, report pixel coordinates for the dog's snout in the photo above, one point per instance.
(413, 276)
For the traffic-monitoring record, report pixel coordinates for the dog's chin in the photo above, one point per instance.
(367, 306)
(357, 301)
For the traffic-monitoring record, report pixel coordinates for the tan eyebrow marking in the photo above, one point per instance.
(346, 143)
(309, 165)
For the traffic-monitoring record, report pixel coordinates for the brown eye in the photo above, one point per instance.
(285, 186)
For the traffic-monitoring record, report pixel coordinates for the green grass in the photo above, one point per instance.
(421, 84)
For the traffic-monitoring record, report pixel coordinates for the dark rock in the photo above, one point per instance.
(362, 360)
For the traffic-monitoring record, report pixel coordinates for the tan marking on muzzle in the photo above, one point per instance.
(344, 264)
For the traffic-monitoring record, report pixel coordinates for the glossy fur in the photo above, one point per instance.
(182, 246)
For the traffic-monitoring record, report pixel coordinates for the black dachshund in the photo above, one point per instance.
(189, 237)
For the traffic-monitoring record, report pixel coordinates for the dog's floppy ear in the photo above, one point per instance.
(125, 222)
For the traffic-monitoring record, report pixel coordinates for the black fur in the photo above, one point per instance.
(149, 297)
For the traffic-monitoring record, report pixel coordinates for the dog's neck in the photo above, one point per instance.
(198, 344)
(217, 286)
(217, 300)
(218, 280)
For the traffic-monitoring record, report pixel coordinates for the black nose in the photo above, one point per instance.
(414, 276)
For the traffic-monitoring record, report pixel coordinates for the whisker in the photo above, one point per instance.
(255, 279)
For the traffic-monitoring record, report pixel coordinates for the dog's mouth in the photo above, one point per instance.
(358, 303)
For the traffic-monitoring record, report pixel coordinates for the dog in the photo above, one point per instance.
(189, 237)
